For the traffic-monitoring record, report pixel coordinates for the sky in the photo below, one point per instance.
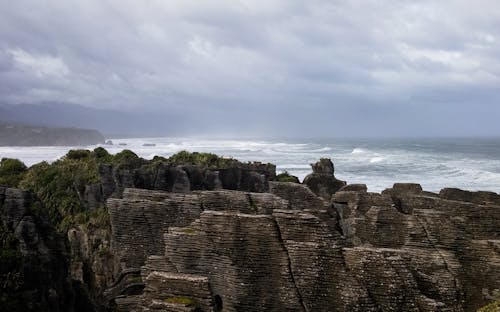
(263, 67)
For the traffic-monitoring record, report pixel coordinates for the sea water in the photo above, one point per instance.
(471, 164)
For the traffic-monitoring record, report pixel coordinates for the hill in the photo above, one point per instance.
(12, 134)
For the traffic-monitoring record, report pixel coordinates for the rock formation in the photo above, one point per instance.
(34, 263)
(403, 250)
(252, 177)
(322, 180)
(193, 238)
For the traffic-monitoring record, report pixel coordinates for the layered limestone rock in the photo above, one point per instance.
(291, 250)
(234, 240)
(251, 177)
(140, 218)
(322, 181)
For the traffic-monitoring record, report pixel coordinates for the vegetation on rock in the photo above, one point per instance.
(62, 185)
(186, 301)
(492, 307)
(286, 177)
(11, 172)
(195, 158)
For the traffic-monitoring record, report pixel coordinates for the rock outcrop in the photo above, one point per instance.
(34, 263)
(403, 250)
(251, 177)
(322, 180)
(192, 238)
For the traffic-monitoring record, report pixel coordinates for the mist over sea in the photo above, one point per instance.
(471, 164)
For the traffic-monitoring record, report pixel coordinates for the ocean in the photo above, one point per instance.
(470, 164)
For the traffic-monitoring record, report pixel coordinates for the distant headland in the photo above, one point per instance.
(14, 134)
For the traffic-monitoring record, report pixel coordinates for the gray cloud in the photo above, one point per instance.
(275, 66)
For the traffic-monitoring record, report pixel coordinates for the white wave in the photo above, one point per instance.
(379, 170)
(359, 150)
(323, 149)
(376, 159)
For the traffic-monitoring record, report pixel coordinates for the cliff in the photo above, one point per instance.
(404, 250)
(24, 135)
(219, 235)
(33, 257)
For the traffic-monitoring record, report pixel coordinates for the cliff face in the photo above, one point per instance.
(34, 262)
(73, 192)
(403, 250)
(182, 178)
(193, 238)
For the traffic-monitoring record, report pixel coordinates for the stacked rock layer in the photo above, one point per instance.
(294, 250)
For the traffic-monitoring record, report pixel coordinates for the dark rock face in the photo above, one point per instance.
(34, 264)
(251, 177)
(322, 181)
(231, 239)
(291, 250)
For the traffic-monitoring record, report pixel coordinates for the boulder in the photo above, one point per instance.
(322, 181)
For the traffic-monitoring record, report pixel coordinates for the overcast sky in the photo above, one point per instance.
(283, 67)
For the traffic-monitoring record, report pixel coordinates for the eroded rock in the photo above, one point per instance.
(322, 181)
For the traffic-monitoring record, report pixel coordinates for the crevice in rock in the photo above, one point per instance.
(251, 203)
(289, 264)
(446, 266)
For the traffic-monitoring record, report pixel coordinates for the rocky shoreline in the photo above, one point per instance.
(199, 233)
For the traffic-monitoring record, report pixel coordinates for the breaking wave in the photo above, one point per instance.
(376, 163)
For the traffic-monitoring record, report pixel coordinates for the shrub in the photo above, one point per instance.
(101, 153)
(286, 177)
(125, 155)
(11, 172)
(61, 185)
(78, 154)
(195, 158)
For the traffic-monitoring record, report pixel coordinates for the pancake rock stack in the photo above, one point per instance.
(317, 246)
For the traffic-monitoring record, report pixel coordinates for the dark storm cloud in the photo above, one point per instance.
(329, 67)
